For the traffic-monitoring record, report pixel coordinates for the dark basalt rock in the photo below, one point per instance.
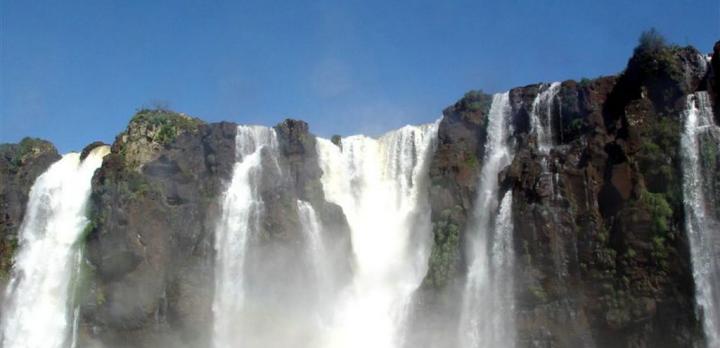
(602, 257)
(279, 248)
(20, 165)
(299, 156)
(154, 208)
(454, 169)
(604, 260)
(86, 151)
(714, 80)
(153, 211)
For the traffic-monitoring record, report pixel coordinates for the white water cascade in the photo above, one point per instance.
(316, 247)
(541, 126)
(37, 310)
(240, 216)
(487, 314)
(381, 186)
(541, 116)
(701, 138)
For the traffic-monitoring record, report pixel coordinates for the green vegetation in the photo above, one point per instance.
(539, 293)
(336, 139)
(631, 253)
(100, 297)
(660, 215)
(471, 161)
(8, 247)
(445, 254)
(650, 42)
(603, 236)
(660, 67)
(606, 257)
(153, 126)
(138, 185)
(166, 134)
(89, 228)
(17, 154)
(169, 123)
(477, 100)
(656, 157)
(576, 125)
(584, 82)
(659, 210)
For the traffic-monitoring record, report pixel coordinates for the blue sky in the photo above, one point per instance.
(75, 71)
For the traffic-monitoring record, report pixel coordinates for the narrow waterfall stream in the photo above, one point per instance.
(541, 116)
(700, 141)
(381, 186)
(241, 210)
(312, 230)
(37, 312)
(487, 316)
(541, 126)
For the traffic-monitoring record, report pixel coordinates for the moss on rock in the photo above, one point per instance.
(149, 131)
(443, 264)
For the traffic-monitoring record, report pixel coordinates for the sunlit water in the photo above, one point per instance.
(700, 140)
(240, 216)
(487, 311)
(541, 116)
(381, 186)
(37, 313)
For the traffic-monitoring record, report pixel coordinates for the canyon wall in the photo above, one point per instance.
(602, 255)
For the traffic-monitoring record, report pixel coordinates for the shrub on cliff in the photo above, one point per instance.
(651, 41)
(28, 148)
(168, 122)
(149, 131)
(477, 100)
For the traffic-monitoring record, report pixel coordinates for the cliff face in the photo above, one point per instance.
(714, 80)
(454, 171)
(154, 210)
(149, 244)
(602, 255)
(20, 165)
(602, 258)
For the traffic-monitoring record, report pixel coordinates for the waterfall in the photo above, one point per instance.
(37, 311)
(541, 126)
(241, 212)
(699, 142)
(312, 231)
(381, 186)
(541, 116)
(487, 316)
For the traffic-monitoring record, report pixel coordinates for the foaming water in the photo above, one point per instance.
(240, 216)
(700, 141)
(487, 314)
(312, 231)
(381, 186)
(541, 116)
(37, 311)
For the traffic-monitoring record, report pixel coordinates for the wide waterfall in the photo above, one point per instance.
(487, 314)
(700, 141)
(241, 214)
(37, 309)
(381, 186)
